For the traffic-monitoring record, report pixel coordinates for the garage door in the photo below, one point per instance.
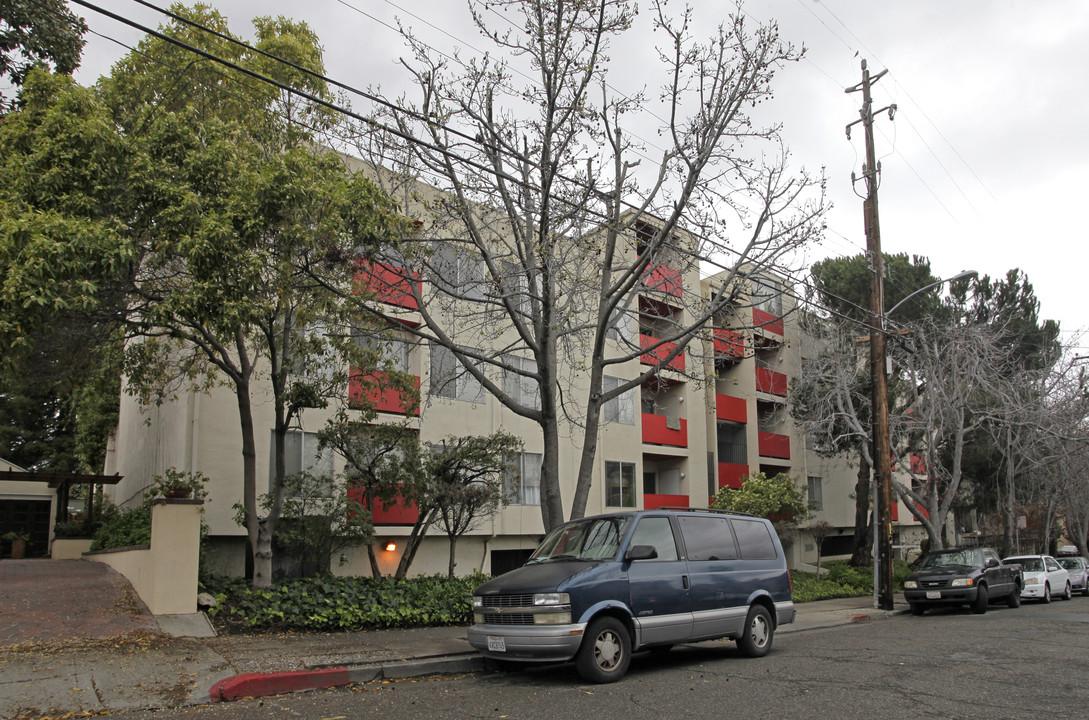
(28, 516)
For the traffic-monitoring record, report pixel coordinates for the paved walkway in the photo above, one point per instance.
(74, 638)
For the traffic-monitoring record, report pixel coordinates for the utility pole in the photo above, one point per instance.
(882, 452)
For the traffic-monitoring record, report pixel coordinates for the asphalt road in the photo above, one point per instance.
(1028, 662)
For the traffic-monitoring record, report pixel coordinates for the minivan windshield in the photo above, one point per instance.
(590, 539)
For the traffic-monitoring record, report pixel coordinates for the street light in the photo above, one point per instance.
(882, 447)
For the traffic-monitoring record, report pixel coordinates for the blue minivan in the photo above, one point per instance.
(600, 588)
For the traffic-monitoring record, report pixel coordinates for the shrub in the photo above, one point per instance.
(344, 603)
(124, 528)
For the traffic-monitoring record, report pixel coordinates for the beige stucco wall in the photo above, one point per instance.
(164, 575)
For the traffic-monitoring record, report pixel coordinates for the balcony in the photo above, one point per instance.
(728, 345)
(656, 432)
(655, 356)
(774, 445)
(730, 475)
(394, 512)
(389, 283)
(728, 407)
(372, 389)
(657, 500)
(763, 320)
(665, 279)
(769, 381)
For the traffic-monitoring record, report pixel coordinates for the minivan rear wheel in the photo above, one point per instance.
(756, 637)
(605, 652)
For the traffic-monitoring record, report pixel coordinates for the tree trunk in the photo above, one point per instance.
(453, 548)
(412, 544)
(863, 552)
(376, 572)
(262, 557)
(551, 500)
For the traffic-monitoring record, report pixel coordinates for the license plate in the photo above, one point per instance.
(497, 643)
(933, 594)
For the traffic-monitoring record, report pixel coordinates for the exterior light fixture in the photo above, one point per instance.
(391, 546)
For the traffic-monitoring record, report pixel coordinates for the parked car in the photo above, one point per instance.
(600, 588)
(1078, 567)
(1044, 577)
(971, 576)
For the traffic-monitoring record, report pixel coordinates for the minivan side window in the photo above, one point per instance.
(708, 538)
(656, 531)
(754, 539)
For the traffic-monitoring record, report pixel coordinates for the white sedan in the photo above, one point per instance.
(1043, 577)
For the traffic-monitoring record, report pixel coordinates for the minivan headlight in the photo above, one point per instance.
(543, 599)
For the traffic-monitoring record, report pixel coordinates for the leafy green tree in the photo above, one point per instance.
(37, 33)
(776, 498)
(184, 207)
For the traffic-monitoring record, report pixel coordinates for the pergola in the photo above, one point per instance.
(63, 482)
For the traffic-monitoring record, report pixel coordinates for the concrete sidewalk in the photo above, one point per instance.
(147, 669)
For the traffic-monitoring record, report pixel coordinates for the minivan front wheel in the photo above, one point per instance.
(755, 640)
(605, 652)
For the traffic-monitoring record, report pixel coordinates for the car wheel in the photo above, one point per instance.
(1013, 600)
(755, 640)
(980, 605)
(605, 652)
(1067, 595)
(1047, 594)
(917, 608)
(1085, 590)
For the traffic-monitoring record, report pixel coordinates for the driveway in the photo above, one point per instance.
(46, 601)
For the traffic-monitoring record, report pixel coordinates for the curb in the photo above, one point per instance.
(251, 685)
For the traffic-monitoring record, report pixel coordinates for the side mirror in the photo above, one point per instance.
(641, 552)
(991, 563)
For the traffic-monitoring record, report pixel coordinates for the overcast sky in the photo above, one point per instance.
(983, 168)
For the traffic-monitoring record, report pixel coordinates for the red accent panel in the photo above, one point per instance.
(393, 513)
(894, 511)
(654, 357)
(774, 445)
(918, 464)
(389, 283)
(656, 432)
(766, 321)
(728, 343)
(728, 407)
(371, 387)
(922, 510)
(730, 474)
(770, 381)
(664, 279)
(652, 500)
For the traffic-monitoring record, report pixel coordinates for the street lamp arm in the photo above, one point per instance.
(959, 276)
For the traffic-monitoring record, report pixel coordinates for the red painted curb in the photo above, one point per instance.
(862, 617)
(262, 684)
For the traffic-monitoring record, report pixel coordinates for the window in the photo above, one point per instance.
(658, 533)
(301, 454)
(522, 485)
(521, 387)
(619, 484)
(621, 325)
(313, 356)
(450, 380)
(394, 352)
(621, 409)
(732, 445)
(708, 538)
(754, 539)
(515, 285)
(457, 269)
(816, 494)
(767, 295)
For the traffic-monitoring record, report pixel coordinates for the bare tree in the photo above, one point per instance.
(552, 216)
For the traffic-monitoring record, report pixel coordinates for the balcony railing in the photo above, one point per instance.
(390, 284)
(774, 445)
(763, 320)
(395, 512)
(665, 279)
(369, 389)
(769, 381)
(656, 431)
(730, 474)
(728, 344)
(728, 407)
(655, 356)
(657, 500)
